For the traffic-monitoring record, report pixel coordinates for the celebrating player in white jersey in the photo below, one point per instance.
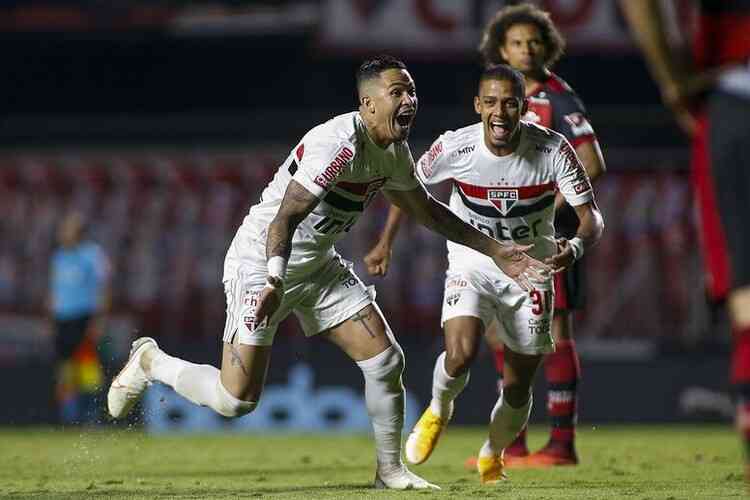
(282, 260)
(505, 174)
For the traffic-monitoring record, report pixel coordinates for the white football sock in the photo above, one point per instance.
(200, 384)
(384, 395)
(505, 424)
(445, 388)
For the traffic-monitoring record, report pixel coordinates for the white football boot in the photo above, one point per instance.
(129, 384)
(402, 479)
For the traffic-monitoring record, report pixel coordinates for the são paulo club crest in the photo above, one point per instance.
(503, 198)
(453, 299)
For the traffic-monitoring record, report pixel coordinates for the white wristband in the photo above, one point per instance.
(576, 244)
(277, 267)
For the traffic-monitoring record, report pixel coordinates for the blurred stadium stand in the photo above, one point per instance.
(163, 121)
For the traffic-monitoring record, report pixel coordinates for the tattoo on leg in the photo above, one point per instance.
(361, 318)
(237, 360)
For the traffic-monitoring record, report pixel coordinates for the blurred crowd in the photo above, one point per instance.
(166, 218)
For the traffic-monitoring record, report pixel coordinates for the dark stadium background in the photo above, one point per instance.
(164, 120)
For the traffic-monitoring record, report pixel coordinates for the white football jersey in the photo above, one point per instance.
(510, 198)
(337, 162)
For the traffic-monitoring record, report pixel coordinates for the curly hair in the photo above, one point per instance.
(494, 33)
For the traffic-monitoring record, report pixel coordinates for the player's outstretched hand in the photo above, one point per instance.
(564, 257)
(378, 259)
(522, 268)
(268, 302)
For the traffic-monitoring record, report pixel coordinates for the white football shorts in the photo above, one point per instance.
(320, 301)
(526, 318)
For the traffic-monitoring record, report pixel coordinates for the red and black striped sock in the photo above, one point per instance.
(518, 447)
(563, 371)
(741, 382)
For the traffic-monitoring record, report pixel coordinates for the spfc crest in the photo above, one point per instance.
(503, 199)
(453, 299)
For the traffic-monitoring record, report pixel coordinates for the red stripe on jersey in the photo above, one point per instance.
(577, 141)
(712, 238)
(524, 192)
(555, 84)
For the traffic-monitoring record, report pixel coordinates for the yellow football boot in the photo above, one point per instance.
(491, 469)
(424, 437)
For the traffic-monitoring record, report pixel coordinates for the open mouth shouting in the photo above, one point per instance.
(404, 119)
(500, 130)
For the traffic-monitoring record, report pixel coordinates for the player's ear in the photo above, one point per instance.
(366, 102)
(476, 105)
(524, 106)
(503, 54)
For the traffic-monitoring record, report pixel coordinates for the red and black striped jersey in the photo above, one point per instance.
(723, 33)
(554, 104)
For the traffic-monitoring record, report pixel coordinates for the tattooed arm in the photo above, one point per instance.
(297, 204)
(439, 218)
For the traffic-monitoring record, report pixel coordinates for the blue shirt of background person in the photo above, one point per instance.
(77, 280)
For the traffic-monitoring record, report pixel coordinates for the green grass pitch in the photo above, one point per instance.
(638, 462)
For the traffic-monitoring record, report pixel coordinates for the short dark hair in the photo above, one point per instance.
(494, 33)
(372, 68)
(505, 72)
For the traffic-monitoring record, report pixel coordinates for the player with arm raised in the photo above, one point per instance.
(505, 173)
(282, 260)
(525, 38)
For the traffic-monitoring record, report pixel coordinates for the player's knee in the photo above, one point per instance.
(397, 362)
(385, 367)
(228, 405)
(458, 360)
(516, 395)
(393, 364)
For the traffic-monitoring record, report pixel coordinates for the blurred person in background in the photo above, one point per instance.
(710, 98)
(79, 298)
(525, 38)
(506, 176)
(282, 260)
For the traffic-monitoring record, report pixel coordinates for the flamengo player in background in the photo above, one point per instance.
(721, 80)
(505, 174)
(282, 260)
